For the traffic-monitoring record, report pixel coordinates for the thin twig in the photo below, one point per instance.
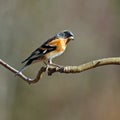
(66, 69)
(29, 80)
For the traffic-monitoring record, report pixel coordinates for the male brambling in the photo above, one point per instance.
(52, 48)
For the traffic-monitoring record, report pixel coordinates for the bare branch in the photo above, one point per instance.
(66, 69)
(87, 66)
(29, 80)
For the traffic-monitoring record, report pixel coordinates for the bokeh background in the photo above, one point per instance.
(91, 95)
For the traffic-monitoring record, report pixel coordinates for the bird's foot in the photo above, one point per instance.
(55, 65)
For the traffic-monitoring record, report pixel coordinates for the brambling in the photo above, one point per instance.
(52, 48)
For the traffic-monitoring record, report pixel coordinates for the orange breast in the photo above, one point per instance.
(60, 44)
(60, 48)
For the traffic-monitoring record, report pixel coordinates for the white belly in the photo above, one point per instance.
(55, 55)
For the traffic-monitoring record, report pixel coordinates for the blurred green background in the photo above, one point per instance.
(91, 95)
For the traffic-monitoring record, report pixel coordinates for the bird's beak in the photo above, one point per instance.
(71, 38)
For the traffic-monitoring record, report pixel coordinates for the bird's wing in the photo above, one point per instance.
(39, 52)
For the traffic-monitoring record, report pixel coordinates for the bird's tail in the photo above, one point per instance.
(23, 68)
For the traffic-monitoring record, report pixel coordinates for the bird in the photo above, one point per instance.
(50, 49)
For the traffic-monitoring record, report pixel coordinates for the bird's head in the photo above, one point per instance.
(66, 35)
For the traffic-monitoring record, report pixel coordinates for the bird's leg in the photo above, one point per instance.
(53, 64)
(47, 65)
